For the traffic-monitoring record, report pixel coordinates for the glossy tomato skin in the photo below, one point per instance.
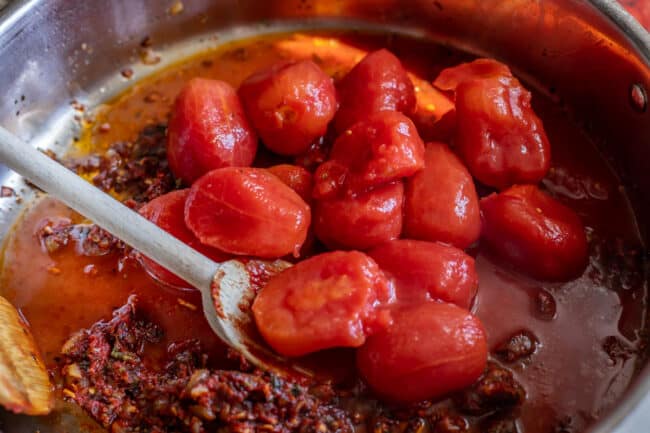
(432, 349)
(378, 82)
(296, 177)
(207, 130)
(535, 233)
(166, 212)
(498, 136)
(361, 221)
(330, 300)
(382, 148)
(450, 78)
(425, 271)
(441, 203)
(290, 104)
(247, 211)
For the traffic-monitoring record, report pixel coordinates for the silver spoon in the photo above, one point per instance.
(226, 285)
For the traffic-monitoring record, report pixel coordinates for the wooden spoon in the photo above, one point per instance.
(226, 285)
(24, 384)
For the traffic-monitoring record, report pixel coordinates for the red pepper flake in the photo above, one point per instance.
(52, 269)
(104, 127)
(152, 97)
(127, 73)
(149, 57)
(69, 393)
(146, 42)
(78, 106)
(176, 8)
(6, 191)
(188, 305)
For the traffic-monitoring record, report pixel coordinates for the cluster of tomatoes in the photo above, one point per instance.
(394, 213)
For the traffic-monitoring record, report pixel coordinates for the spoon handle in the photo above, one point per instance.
(106, 212)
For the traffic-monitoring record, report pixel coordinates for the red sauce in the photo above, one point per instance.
(588, 330)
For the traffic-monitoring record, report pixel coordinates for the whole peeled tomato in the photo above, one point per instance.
(498, 136)
(296, 177)
(379, 149)
(441, 203)
(534, 233)
(378, 82)
(431, 350)
(166, 212)
(247, 211)
(450, 78)
(361, 221)
(290, 104)
(330, 300)
(207, 130)
(424, 271)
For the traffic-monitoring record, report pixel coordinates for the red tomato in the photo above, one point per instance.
(449, 79)
(290, 104)
(535, 233)
(330, 300)
(247, 211)
(378, 82)
(424, 271)
(441, 203)
(380, 149)
(297, 178)
(361, 221)
(166, 212)
(432, 349)
(208, 129)
(498, 135)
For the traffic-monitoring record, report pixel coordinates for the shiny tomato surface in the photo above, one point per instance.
(382, 148)
(361, 221)
(290, 104)
(498, 135)
(167, 212)
(431, 349)
(424, 271)
(295, 177)
(450, 78)
(378, 82)
(534, 233)
(330, 300)
(441, 203)
(247, 211)
(208, 129)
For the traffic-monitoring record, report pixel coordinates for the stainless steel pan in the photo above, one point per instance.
(590, 55)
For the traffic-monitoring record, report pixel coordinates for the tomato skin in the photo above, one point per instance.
(450, 78)
(535, 233)
(380, 149)
(296, 177)
(166, 212)
(361, 221)
(207, 130)
(425, 271)
(329, 300)
(498, 135)
(247, 211)
(290, 104)
(432, 349)
(378, 82)
(441, 203)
